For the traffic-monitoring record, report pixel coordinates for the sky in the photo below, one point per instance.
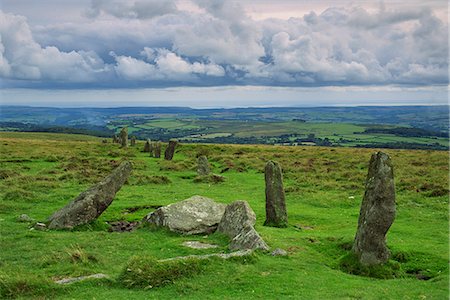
(215, 53)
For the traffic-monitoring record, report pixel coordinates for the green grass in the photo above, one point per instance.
(324, 188)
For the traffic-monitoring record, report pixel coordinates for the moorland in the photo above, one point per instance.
(41, 172)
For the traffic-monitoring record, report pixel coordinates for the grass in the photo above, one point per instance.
(324, 188)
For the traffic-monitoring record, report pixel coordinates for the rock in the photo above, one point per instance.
(276, 214)
(198, 245)
(203, 166)
(91, 203)
(207, 256)
(40, 226)
(152, 149)
(170, 150)
(237, 223)
(196, 215)
(124, 137)
(25, 218)
(104, 141)
(147, 146)
(236, 216)
(248, 238)
(115, 139)
(133, 141)
(279, 252)
(81, 278)
(157, 149)
(377, 212)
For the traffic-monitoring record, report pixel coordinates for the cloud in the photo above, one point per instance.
(131, 9)
(157, 43)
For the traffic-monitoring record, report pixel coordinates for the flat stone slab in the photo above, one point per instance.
(81, 278)
(198, 245)
(206, 256)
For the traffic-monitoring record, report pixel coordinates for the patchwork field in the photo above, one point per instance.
(41, 172)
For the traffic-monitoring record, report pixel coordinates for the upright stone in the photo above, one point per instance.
(147, 146)
(203, 166)
(152, 149)
(124, 137)
(91, 203)
(133, 141)
(157, 149)
(276, 214)
(377, 212)
(115, 139)
(170, 150)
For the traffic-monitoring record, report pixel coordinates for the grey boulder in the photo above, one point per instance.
(196, 215)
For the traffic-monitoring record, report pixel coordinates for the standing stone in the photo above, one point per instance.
(124, 137)
(276, 215)
(203, 166)
(237, 223)
(91, 203)
(170, 150)
(147, 146)
(152, 149)
(157, 149)
(133, 141)
(377, 212)
(115, 139)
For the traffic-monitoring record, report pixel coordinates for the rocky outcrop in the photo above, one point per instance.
(377, 212)
(90, 204)
(237, 223)
(196, 215)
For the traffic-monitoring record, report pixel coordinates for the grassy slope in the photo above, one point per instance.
(44, 171)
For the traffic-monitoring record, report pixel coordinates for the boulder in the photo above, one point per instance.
(377, 212)
(237, 215)
(91, 203)
(248, 238)
(237, 223)
(276, 214)
(196, 215)
(170, 150)
(203, 166)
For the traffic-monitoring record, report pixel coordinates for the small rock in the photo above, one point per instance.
(198, 245)
(25, 218)
(76, 279)
(248, 238)
(40, 226)
(279, 252)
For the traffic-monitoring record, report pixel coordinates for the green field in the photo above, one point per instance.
(324, 186)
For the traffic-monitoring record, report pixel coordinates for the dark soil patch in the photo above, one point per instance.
(122, 226)
(141, 207)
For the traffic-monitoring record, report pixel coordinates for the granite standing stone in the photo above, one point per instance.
(152, 149)
(203, 166)
(276, 214)
(157, 149)
(170, 150)
(91, 203)
(377, 212)
(147, 146)
(124, 137)
(133, 141)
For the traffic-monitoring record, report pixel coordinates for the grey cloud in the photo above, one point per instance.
(144, 9)
(220, 44)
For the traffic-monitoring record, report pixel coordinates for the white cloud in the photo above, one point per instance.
(217, 42)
